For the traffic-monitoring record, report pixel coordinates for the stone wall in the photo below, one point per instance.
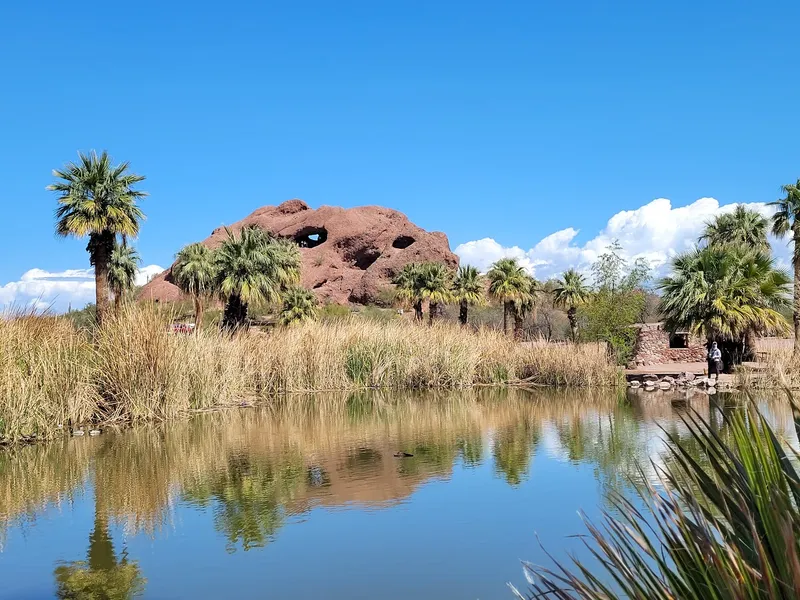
(652, 348)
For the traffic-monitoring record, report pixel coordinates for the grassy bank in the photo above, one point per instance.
(133, 369)
(778, 370)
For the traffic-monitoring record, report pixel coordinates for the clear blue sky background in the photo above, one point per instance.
(501, 119)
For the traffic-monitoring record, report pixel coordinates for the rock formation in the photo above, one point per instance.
(349, 255)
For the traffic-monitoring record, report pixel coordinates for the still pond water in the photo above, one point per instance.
(313, 503)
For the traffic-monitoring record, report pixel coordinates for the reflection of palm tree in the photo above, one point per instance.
(250, 498)
(101, 576)
(470, 448)
(513, 450)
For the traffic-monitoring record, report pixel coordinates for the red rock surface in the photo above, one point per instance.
(357, 253)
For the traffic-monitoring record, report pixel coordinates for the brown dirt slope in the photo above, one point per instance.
(349, 255)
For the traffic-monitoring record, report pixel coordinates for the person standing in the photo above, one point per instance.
(714, 360)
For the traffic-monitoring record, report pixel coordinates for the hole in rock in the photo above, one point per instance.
(364, 259)
(310, 237)
(679, 340)
(403, 241)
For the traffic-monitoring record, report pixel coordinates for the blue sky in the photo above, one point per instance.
(502, 120)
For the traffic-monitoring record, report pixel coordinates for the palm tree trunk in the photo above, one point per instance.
(100, 247)
(235, 315)
(506, 310)
(796, 312)
(462, 313)
(117, 303)
(433, 312)
(517, 325)
(198, 313)
(749, 345)
(418, 310)
(573, 323)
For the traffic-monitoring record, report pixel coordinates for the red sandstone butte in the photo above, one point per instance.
(349, 254)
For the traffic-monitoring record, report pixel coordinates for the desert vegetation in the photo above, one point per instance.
(132, 369)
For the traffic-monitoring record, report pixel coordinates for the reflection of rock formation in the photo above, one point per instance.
(254, 469)
(349, 255)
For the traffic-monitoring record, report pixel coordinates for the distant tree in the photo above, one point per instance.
(510, 285)
(122, 270)
(527, 303)
(98, 200)
(571, 292)
(254, 268)
(725, 293)
(617, 303)
(787, 219)
(299, 305)
(434, 286)
(409, 287)
(468, 290)
(741, 227)
(195, 273)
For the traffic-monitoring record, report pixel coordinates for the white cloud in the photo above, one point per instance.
(58, 291)
(656, 231)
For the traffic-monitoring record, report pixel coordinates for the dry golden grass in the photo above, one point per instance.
(778, 369)
(135, 370)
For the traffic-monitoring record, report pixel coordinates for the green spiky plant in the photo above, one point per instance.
(571, 291)
(468, 290)
(409, 286)
(510, 285)
(122, 270)
(742, 227)
(195, 273)
(725, 293)
(299, 306)
(98, 200)
(254, 268)
(729, 530)
(787, 220)
(434, 286)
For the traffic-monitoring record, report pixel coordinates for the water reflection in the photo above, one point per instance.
(257, 471)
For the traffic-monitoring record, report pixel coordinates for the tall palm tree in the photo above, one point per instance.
(409, 286)
(468, 289)
(786, 219)
(742, 226)
(98, 199)
(435, 282)
(509, 284)
(725, 293)
(571, 292)
(195, 273)
(299, 305)
(254, 268)
(525, 304)
(122, 270)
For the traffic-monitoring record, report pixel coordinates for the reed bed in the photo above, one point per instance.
(779, 370)
(135, 370)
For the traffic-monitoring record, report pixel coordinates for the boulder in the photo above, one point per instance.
(650, 377)
(634, 384)
(665, 385)
(688, 376)
(350, 255)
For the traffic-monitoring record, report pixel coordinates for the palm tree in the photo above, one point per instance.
(122, 270)
(525, 304)
(254, 268)
(409, 286)
(299, 305)
(195, 273)
(742, 226)
(571, 292)
(468, 289)
(434, 286)
(509, 284)
(101, 575)
(725, 293)
(98, 200)
(786, 219)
